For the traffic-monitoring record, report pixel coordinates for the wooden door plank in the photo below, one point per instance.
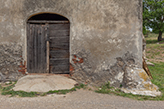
(39, 50)
(59, 54)
(59, 27)
(59, 47)
(42, 50)
(59, 66)
(43, 53)
(59, 39)
(28, 48)
(47, 49)
(54, 62)
(45, 28)
(33, 48)
(59, 69)
(57, 33)
(59, 43)
(48, 59)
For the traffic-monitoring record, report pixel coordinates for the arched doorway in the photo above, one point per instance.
(48, 44)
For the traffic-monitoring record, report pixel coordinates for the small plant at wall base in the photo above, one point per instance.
(105, 89)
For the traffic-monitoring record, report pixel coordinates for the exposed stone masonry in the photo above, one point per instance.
(115, 73)
(10, 59)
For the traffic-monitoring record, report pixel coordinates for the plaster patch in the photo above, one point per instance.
(119, 77)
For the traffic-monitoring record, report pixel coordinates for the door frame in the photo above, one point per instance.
(47, 42)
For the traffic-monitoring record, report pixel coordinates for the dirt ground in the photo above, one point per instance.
(81, 99)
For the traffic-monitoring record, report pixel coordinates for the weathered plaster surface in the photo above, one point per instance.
(106, 28)
(105, 36)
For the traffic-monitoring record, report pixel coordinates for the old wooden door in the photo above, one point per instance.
(56, 33)
(36, 48)
(59, 47)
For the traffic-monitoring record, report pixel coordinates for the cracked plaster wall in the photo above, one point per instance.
(102, 32)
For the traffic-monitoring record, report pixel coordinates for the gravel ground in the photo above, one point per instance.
(81, 99)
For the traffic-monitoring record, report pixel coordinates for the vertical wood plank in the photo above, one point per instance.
(48, 60)
(33, 48)
(36, 50)
(39, 49)
(28, 49)
(30, 46)
(42, 50)
(48, 47)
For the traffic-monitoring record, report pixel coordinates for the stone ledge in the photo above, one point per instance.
(43, 83)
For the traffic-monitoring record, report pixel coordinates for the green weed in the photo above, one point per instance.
(105, 89)
(20, 93)
(61, 91)
(79, 86)
(7, 88)
(8, 91)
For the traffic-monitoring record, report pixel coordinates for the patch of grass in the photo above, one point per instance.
(61, 91)
(20, 93)
(8, 87)
(150, 41)
(158, 75)
(8, 91)
(79, 86)
(152, 35)
(105, 89)
(154, 46)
